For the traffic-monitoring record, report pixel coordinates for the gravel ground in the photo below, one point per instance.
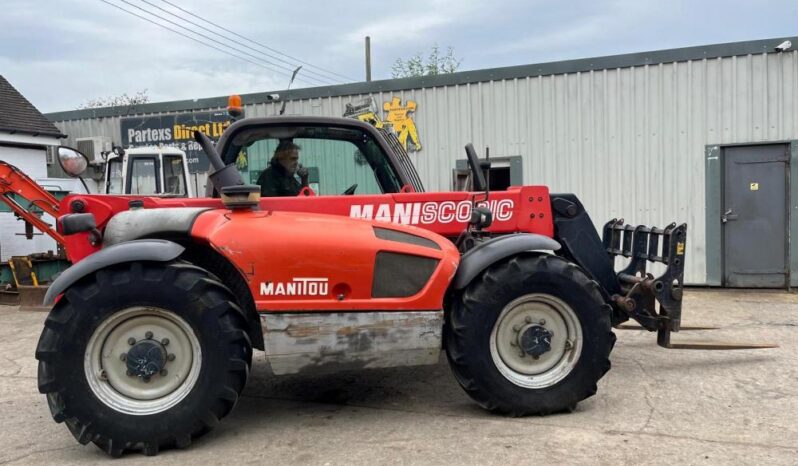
(655, 406)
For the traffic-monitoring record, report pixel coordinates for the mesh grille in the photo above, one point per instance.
(400, 275)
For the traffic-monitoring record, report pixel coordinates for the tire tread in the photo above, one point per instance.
(200, 285)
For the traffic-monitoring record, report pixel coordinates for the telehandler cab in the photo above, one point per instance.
(150, 339)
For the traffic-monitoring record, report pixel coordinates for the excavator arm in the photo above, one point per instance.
(15, 184)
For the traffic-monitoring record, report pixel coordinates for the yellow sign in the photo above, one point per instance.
(365, 111)
(399, 117)
(754, 186)
(371, 118)
(680, 249)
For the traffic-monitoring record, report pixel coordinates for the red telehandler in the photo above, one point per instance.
(150, 338)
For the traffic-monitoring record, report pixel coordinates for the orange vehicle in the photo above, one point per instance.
(150, 339)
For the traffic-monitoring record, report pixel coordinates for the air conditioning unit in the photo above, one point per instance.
(93, 147)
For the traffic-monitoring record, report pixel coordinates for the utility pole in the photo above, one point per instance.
(368, 59)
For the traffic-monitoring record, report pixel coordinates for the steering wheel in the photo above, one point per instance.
(350, 190)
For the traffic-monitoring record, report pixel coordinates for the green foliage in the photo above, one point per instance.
(436, 63)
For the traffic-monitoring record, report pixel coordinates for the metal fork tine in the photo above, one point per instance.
(683, 327)
(664, 340)
(690, 345)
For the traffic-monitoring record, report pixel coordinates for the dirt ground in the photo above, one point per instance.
(655, 406)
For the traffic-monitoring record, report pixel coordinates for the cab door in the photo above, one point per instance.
(174, 175)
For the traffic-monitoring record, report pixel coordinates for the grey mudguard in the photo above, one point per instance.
(481, 257)
(141, 223)
(139, 250)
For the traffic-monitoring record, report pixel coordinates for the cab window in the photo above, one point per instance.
(337, 160)
(174, 178)
(143, 175)
(114, 183)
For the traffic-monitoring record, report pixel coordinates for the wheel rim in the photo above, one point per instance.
(163, 366)
(536, 341)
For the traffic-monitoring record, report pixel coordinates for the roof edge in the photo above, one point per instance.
(56, 134)
(627, 60)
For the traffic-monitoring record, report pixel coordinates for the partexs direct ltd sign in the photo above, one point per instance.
(176, 131)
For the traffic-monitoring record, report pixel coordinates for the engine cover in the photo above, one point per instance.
(316, 262)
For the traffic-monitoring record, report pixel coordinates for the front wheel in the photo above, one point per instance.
(531, 335)
(143, 356)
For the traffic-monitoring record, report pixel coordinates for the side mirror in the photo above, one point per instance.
(73, 162)
(481, 217)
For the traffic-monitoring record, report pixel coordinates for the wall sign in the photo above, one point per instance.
(176, 131)
(397, 118)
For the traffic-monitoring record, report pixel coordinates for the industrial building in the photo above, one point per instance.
(706, 135)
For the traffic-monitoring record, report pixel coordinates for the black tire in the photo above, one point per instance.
(187, 291)
(472, 315)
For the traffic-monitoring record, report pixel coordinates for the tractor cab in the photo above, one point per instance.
(336, 156)
(153, 170)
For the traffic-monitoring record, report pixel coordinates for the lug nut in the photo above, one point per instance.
(129, 373)
(535, 357)
(146, 379)
(164, 372)
(165, 342)
(123, 356)
(131, 341)
(516, 328)
(568, 345)
(170, 357)
(542, 322)
(528, 319)
(513, 343)
(148, 335)
(103, 375)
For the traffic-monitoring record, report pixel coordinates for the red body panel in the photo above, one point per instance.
(519, 209)
(318, 262)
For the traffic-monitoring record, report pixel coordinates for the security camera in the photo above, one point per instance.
(273, 97)
(784, 46)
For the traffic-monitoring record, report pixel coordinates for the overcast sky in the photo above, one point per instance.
(60, 53)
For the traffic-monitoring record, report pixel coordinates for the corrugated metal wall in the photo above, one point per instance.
(629, 141)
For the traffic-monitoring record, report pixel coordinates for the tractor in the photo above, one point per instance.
(149, 341)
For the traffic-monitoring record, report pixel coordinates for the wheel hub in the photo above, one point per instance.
(142, 360)
(146, 358)
(535, 341)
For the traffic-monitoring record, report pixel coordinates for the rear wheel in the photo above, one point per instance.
(143, 356)
(531, 335)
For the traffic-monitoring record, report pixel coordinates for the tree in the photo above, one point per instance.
(139, 97)
(435, 64)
